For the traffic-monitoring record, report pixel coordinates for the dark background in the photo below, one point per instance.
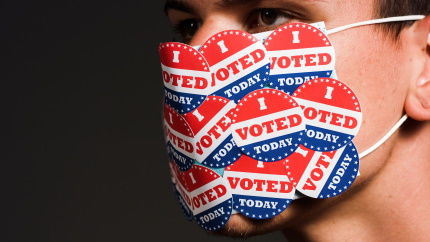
(82, 156)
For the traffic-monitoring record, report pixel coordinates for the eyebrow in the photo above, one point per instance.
(233, 3)
(178, 5)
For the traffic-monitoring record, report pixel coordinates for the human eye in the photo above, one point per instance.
(267, 19)
(187, 28)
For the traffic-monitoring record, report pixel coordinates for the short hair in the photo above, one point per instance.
(392, 8)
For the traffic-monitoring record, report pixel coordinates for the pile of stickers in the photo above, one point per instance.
(248, 123)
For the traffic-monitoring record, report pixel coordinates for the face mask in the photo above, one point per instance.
(247, 133)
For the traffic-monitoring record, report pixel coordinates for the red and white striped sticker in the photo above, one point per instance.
(214, 145)
(298, 53)
(186, 76)
(267, 125)
(332, 113)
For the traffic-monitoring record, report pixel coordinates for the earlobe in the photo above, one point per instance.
(417, 103)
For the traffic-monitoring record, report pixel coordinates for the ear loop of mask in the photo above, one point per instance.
(383, 139)
(376, 21)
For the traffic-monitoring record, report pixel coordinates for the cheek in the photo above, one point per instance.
(372, 66)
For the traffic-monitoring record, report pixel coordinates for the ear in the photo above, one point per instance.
(417, 103)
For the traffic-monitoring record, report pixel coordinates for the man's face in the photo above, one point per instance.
(367, 60)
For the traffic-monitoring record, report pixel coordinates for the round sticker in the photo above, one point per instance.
(323, 174)
(267, 125)
(260, 190)
(210, 195)
(186, 76)
(180, 190)
(332, 113)
(179, 138)
(298, 53)
(214, 144)
(239, 63)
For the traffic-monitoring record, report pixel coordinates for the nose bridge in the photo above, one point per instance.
(213, 24)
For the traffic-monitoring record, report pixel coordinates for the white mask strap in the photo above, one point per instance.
(386, 136)
(376, 21)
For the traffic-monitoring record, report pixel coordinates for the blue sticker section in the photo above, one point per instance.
(215, 217)
(289, 82)
(274, 149)
(185, 209)
(243, 86)
(182, 102)
(260, 207)
(343, 174)
(225, 154)
(184, 162)
(323, 140)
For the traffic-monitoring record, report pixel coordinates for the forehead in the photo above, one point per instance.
(193, 4)
(335, 8)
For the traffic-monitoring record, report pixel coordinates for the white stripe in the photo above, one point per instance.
(265, 136)
(253, 192)
(332, 109)
(300, 52)
(184, 72)
(179, 135)
(326, 171)
(204, 131)
(232, 78)
(214, 203)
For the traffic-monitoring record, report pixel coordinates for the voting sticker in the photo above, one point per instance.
(180, 190)
(260, 189)
(239, 64)
(213, 141)
(323, 174)
(179, 138)
(268, 125)
(186, 76)
(211, 197)
(332, 113)
(298, 53)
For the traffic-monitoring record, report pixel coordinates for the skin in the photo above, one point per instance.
(389, 200)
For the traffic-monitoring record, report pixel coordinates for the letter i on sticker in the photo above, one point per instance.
(176, 56)
(262, 103)
(221, 44)
(296, 39)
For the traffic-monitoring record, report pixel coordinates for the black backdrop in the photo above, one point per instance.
(82, 155)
